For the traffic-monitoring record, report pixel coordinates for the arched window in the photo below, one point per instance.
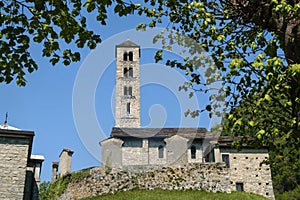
(130, 91)
(128, 108)
(125, 72)
(130, 72)
(193, 152)
(125, 91)
(125, 56)
(160, 151)
(130, 56)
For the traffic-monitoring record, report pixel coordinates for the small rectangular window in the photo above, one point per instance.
(239, 187)
(130, 91)
(128, 108)
(225, 159)
(125, 91)
(130, 54)
(130, 73)
(125, 56)
(160, 151)
(193, 152)
(125, 72)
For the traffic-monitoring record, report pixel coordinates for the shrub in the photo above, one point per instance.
(289, 195)
(57, 188)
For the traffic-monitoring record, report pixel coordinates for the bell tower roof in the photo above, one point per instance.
(128, 43)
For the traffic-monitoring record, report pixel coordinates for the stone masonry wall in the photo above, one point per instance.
(153, 152)
(209, 177)
(65, 161)
(132, 119)
(246, 166)
(144, 151)
(135, 155)
(13, 157)
(199, 153)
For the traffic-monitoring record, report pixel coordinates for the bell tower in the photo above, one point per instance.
(127, 110)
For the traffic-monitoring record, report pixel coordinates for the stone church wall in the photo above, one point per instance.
(154, 154)
(209, 177)
(198, 154)
(135, 152)
(145, 151)
(13, 157)
(176, 150)
(112, 152)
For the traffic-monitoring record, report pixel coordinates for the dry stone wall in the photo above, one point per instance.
(209, 177)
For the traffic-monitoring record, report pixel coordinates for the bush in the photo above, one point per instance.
(290, 195)
(55, 189)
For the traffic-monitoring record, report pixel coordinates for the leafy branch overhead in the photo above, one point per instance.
(254, 46)
(51, 23)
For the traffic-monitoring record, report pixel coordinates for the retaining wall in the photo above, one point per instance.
(209, 177)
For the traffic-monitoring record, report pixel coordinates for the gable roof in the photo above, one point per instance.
(128, 43)
(158, 132)
(189, 133)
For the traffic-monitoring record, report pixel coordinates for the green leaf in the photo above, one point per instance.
(251, 123)
(267, 97)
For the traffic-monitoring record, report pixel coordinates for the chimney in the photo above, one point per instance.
(65, 161)
(54, 171)
(37, 164)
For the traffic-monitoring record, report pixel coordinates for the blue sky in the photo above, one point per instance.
(46, 104)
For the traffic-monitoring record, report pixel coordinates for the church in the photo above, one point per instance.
(129, 145)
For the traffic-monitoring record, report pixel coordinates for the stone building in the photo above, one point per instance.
(129, 145)
(147, 146)
(20, 171)
(246, 169)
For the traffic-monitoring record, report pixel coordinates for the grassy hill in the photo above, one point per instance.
(176, 195)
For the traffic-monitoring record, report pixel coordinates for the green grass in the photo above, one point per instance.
(176, 195)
